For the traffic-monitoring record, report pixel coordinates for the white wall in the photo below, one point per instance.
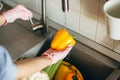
(85, 17)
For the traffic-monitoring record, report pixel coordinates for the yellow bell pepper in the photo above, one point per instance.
(65, 70)
(62, 39)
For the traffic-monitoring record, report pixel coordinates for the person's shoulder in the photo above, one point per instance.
(2, 48)
(2, 52)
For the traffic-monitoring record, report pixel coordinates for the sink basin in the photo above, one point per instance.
(20, 39)
(92, 64)
(118, 78)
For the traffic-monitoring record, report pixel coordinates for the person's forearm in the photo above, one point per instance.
(31, 65)
(2, 19)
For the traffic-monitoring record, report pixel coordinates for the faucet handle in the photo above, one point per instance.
(65, 5)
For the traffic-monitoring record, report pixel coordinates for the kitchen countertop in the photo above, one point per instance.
(19, 38)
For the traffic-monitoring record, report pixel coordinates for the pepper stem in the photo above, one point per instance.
(74, 37)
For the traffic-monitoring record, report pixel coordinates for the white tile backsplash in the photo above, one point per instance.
(56, 1)
(55, 12)
(102, 36)
(101, 16)
(90, 8)
(72, 20)
(74, 5)
(117, 46)
(88, 19)
(88, 27)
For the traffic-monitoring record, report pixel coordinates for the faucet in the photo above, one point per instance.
(43, 20)
(65, 8)
(65, 5)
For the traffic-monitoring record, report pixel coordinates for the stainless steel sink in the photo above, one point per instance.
(22, 42)
(92, 64)
(20, 39)
(118, 78)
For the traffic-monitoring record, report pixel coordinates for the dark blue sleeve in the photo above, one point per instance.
(8, 70)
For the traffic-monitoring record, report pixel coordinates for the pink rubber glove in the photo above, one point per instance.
(57, 55)
(17, 12)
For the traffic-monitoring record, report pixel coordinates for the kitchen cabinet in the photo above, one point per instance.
(102, 36)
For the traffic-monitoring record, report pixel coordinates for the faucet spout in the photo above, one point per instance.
(44, 21)
(44, 28)
(42, 25)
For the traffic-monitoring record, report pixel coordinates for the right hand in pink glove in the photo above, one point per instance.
(57, 55)
(17, 12)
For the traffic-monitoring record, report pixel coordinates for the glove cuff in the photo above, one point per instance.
(49, 55)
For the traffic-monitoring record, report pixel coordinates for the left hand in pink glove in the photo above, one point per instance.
(57, 55)
(17, 12)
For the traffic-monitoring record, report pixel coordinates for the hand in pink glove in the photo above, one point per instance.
(17, 12)
(57, 55)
